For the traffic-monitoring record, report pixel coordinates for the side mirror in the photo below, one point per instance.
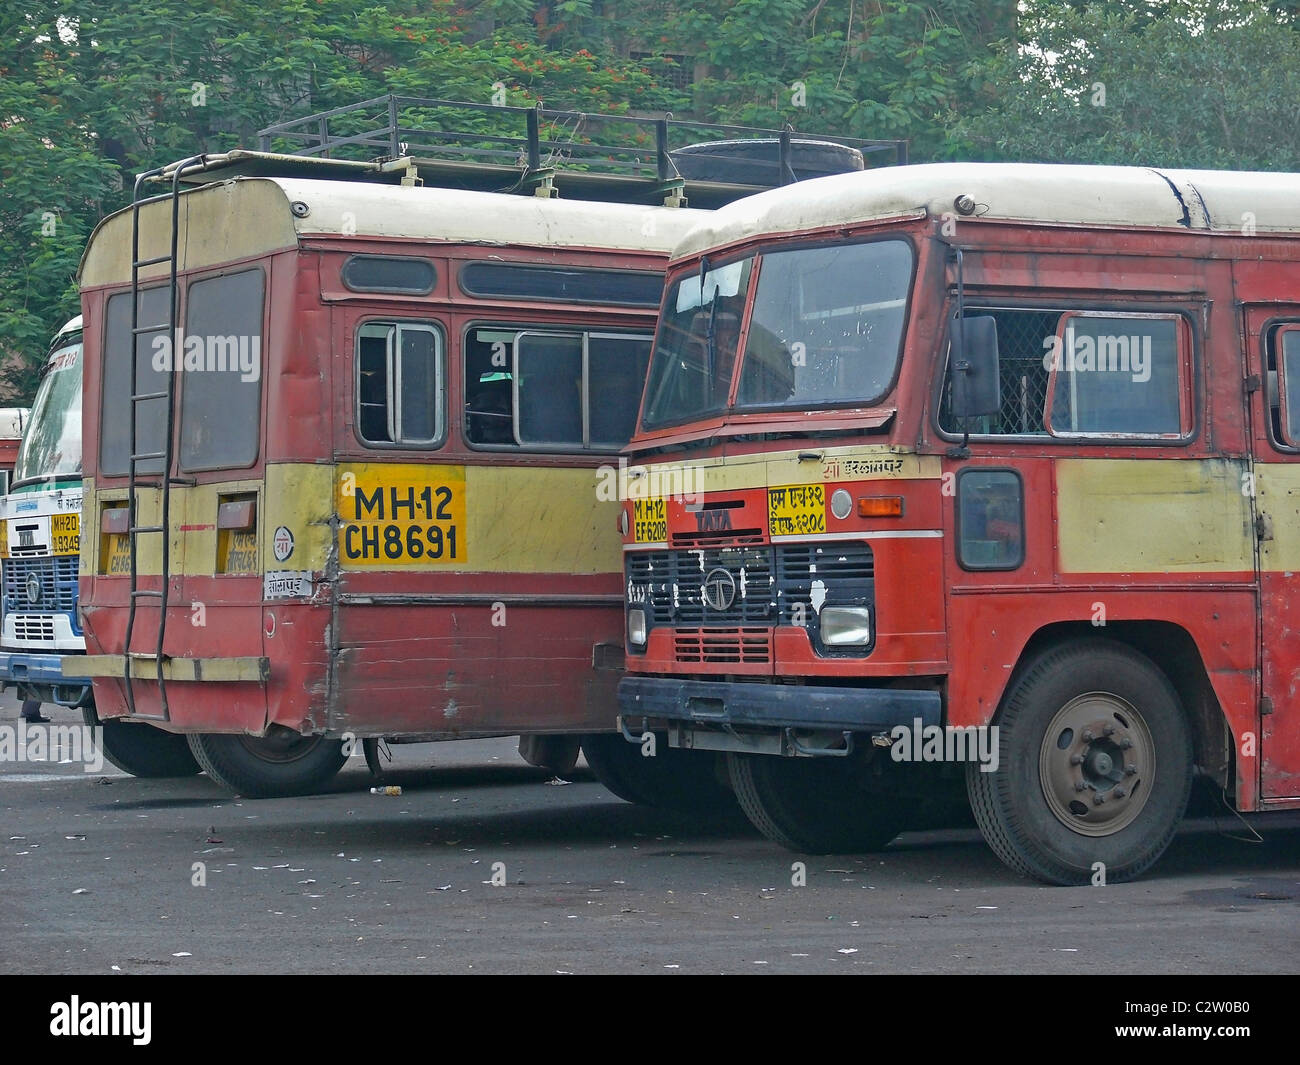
(4, 482)
(976, 387)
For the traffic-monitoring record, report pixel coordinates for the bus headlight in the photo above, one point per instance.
(845, 626)
(636, 626)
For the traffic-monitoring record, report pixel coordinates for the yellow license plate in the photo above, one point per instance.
(796, 509)
(401, 516)
(65, 534)
(649, 521)
(119, 554)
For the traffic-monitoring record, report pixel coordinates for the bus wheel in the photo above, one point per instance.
(671, 779)
(555, 754)
(142, 750)
(1094, 769)
(282, 762)
(815, 805)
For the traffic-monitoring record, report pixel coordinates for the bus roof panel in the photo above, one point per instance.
(1053, 194)
(246, 217)
(457, 216)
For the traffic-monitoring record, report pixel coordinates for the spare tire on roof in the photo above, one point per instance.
(758, 161)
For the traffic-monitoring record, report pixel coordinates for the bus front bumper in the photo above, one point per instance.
(55, 678)
(776, 706)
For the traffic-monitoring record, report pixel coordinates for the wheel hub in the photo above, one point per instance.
(280, 745)
(1096, 764)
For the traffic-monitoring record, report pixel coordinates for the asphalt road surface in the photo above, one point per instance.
(103, 873)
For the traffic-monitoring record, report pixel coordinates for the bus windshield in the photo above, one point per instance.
(695, 348)
(51, 445)
(826, 330)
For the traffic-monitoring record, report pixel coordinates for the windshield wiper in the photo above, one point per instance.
(711, 351)
(43, 479)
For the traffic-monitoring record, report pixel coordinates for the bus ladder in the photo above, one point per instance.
(138, 458)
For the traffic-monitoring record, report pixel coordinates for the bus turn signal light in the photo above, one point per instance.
(881, 507)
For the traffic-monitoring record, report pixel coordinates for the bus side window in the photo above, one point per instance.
(1284, 385)
(1023, 342)
(489, 403)
(1119, 375)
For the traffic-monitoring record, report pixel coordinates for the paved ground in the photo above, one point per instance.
(98, 874)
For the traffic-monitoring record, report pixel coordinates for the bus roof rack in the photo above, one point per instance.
(543, 152)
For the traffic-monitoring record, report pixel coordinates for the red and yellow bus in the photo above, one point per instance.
(390, 408)
(994, 475)
(370, 485)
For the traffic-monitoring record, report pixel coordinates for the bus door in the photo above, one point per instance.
(1273, 338)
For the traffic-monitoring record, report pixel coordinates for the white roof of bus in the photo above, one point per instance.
(244, 217)
(1220, 200)
(456, 216)
(72, 325)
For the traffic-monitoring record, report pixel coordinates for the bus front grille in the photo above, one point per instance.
(723, 646)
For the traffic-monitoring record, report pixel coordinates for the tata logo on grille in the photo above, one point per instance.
(719, 589)
(33, 589)
(712, 520)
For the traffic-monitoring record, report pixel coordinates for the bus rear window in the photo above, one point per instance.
(400, 384)
(521, 281)
(386, 273)
(222, 372)
(151, 414)
(552, 391)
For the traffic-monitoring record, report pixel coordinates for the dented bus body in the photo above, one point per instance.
(385, 513)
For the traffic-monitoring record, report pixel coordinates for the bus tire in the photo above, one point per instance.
(555, 754)
(815, 805)
(683, 781)
(279, 764)
(142, 750)
(1094, 766)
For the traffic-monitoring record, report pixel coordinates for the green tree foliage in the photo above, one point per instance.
(1191, 83)
(94, 91)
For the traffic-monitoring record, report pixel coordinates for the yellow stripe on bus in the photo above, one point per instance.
(1153, 516)
(483, 519)
(738, 472)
